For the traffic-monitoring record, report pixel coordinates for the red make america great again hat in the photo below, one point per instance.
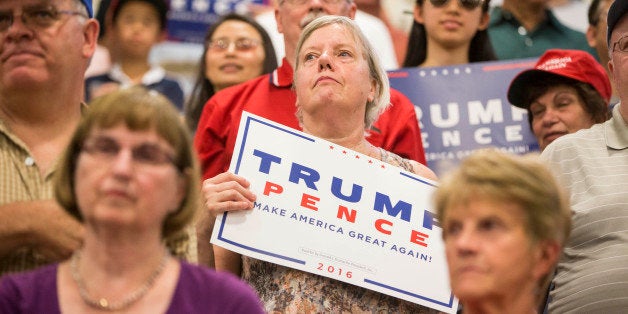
(574, 64)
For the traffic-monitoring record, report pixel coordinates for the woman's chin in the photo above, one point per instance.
(470, 292)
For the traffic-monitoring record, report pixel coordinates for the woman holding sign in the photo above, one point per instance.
(505, 220)
(341, 89)
(449, 32)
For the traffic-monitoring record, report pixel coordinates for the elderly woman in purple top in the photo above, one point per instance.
(130, 175)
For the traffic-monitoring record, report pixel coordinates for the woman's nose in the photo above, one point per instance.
(453, 5)
(315, 4)
(231, 48)
(325, 62)
(550, 117)
(122, 163)
(466, 242)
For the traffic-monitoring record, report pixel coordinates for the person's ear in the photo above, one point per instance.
(546, 256)
(611, 72)
(591, 35)
(484, 20)
(90, 37)
(353, 10)
(371, 95)
(418, 14)
(163, 35)
(299, 113)
(278, 21)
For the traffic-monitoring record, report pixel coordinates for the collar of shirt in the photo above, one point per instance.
(499, 16)
(616, 131)
(154, 75)
(282, 76)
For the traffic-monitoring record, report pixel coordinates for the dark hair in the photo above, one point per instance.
(479, 50)
(101, 16)
(203, 89)
(592, 14)
(160, 6)
(594, 103)
(594, 11)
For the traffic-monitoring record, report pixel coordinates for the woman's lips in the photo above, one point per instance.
(550, 137)
(451, 24)
(230, 67)
(324, 79)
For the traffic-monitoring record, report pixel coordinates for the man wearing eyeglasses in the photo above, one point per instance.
(527, 28)
(271, 96)
(593, 164)
(45, 48)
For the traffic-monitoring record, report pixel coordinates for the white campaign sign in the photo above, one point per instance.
(330, 211)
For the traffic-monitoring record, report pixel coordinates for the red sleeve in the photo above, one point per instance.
(210, 138)
(218, 125)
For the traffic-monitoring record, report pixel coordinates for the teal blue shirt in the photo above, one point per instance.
(511, 40)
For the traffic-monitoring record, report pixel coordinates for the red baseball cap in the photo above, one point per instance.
(574, 64)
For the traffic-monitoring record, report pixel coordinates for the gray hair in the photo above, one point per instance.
(80, 7)
(381, 101)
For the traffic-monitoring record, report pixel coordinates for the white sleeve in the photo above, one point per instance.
(379, 37)
(268, 22)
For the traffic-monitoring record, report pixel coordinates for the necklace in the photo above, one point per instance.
(106, 305)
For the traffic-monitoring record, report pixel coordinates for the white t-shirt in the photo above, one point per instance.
(378, 36)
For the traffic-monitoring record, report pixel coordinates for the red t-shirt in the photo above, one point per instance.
(271, 96)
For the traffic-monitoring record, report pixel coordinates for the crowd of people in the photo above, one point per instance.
(111, 184)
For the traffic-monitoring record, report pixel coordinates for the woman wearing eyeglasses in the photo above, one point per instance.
(236, 50)
(449, 32)
(131, 177)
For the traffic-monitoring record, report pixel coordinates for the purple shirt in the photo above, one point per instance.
(199, 290)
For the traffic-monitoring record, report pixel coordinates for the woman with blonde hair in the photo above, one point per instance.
(505, 220)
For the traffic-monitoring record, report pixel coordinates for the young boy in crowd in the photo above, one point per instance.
(135, 26)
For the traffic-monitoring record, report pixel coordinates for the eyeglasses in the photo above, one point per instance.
(467, 4)
(241, 44)
(302, 2)
(39, 17)
(107, 149)
(621, 45)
